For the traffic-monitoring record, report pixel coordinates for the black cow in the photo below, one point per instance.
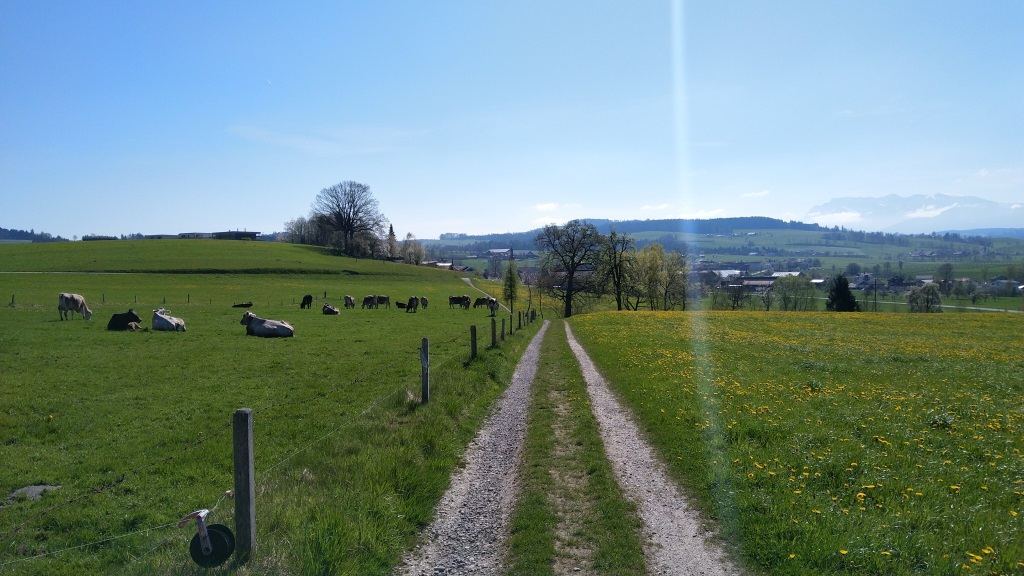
(122, 321)
(307, 301)
(243, 305)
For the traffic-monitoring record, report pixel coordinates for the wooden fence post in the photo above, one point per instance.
(503, 329)
(245, 485)
(509, 323)
(494, 333)
(425, 372)
(519, 325)
(472, 342)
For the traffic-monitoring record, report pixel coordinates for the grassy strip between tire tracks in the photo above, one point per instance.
(571, 512)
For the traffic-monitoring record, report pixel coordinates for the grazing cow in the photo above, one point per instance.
(162, 320)
(369, 301)
(72, 303)
(454, 301)
(413, 304)
(465, 301)
(243, 305)
(350, 302)
(384, 300)
(307, 301)
(423, 302)
(256, 326)
(122, 320)
(481, 301)
(331, 310)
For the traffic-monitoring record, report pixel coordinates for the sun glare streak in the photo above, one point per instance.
(698, 318)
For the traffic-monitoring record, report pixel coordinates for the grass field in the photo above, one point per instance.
(827, 443)
(135, 427)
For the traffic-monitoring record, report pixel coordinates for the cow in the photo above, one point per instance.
(330, 310)
(350, 302)
(481, 301)
(492, 305)
(460, 301)
(423, 302)
(122, 320)
(413, 304)
(162, 320)
(307, 301)
(71, 303)
(134, 326)
(243, 305)
(256, 326)
(385, 300)
(369, 301)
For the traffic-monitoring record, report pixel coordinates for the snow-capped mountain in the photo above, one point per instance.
(918, 214)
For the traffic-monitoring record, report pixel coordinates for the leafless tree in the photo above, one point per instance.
(570, 255)
(616, 259)
(349, 209)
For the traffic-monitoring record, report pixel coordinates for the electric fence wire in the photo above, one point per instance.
(262, 476)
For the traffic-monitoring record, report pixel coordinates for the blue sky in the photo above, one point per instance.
(477, 117)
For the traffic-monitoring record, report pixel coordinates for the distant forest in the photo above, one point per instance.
(29, 235)
(525, 240)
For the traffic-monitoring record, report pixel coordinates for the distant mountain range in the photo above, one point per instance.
(920, 214)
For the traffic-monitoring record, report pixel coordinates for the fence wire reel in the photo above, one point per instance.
(213, 544)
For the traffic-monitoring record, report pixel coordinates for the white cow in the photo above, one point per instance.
(72, 303)
(162, 320)
(256, 326)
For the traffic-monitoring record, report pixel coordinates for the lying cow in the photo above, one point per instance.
(162, 320)
(123, 320)
(350, 302)
(71, 303)
(330, 310)
(413, 304)
(256, 326)
(243, 305)
(369, 302)
(307, 301)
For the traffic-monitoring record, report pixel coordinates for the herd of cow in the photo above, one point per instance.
(68, 304)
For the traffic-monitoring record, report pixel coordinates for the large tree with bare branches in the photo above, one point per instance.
(571, 253)
(351, 211)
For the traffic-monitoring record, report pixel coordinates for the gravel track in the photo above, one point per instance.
(471, 522)
(676, 542)
(468, 533)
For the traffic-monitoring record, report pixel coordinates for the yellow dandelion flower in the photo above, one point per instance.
(843, 552)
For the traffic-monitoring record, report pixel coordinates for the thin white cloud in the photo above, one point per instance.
(346, 141)
(835, 218)
(760, 194)
(930, 211)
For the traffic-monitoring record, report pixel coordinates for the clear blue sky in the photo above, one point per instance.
(476, 117)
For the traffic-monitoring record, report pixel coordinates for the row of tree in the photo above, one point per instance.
(579, 263)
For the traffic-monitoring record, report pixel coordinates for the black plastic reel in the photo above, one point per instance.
(221, 540)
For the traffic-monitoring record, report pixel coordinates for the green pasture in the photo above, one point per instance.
(135, 427)
(835, 444)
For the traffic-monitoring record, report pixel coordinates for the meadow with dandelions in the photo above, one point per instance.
(835, 443)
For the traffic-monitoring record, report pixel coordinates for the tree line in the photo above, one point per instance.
(347, 218)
